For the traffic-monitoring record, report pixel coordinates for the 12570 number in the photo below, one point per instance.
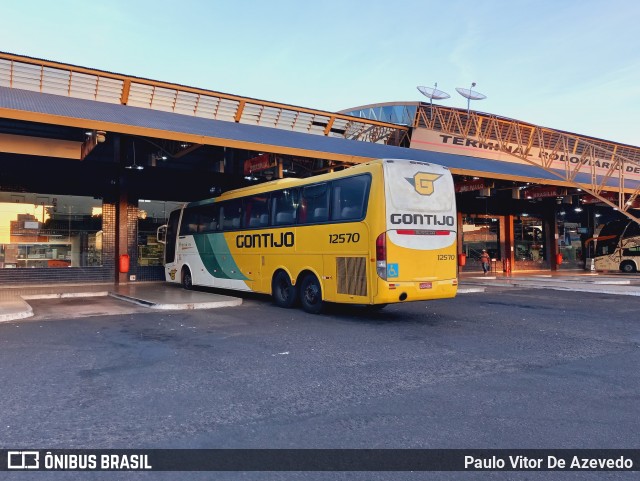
(344, 238)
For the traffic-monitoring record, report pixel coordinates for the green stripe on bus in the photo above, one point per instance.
(217, 258)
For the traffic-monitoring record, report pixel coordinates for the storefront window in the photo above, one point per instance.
(529, 248)
(151, 215)
(574, 228)
(480, 233)
(49, 231)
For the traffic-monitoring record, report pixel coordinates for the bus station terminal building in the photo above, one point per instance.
(93, 162)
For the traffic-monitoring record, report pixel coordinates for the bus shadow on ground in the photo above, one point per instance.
(356, 313)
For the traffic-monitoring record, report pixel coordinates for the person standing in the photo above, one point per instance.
(484, 260)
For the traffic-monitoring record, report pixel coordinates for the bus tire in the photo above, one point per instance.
(628, 267)
(311, 294)
(282, 291)
(187, 280)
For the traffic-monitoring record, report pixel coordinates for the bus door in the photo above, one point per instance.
(171, 236)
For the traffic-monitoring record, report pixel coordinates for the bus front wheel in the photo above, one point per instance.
(284, 294)
(187, 280)
(311, 294)
(628, 267)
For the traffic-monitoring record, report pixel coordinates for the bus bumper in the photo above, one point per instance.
(391, 292)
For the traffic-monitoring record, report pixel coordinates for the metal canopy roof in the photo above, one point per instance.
(45, 76)
(88, 114)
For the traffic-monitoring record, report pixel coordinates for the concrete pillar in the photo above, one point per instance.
(551, 237)
(122, 217)
(507, 240)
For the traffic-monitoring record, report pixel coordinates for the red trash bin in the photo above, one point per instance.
(462, 259)
(124, 263)
(558, 259)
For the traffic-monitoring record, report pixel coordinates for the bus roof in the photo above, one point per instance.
(288, 182)
(295, 182)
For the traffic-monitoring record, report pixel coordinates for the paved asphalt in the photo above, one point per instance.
(508, 368)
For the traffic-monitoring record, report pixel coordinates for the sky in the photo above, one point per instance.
(571, 65)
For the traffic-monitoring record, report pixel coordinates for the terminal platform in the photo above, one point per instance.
(14, 301)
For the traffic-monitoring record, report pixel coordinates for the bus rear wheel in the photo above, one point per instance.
(282, 291)
(311, 294)
(187, 280)
(628, 267)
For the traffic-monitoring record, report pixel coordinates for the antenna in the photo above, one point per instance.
(134, 166)
(470, 94)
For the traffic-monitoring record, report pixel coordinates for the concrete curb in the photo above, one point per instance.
(65, 295)
(601, 287)
(15, 309)
(470, 290)
(16, 306)
(227, 302)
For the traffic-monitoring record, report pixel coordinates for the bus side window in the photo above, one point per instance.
(231, 214)
(631, 251)
(189, 223)
(349, 197)
(256, 211)
(208, 221)
(315, 200)
(284, 204)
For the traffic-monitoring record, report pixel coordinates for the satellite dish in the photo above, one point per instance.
(433, 93)
(470, 94)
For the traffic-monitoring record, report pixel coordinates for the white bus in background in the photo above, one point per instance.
(617, 247)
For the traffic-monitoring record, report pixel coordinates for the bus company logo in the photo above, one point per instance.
(423, 182)
(23, 460)
(172, 274)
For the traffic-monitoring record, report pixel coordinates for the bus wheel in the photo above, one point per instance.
(628, 267)
(311, 294)
(284, 294)
(187, 280)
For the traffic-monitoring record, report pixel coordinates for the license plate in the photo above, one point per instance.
(425, 285)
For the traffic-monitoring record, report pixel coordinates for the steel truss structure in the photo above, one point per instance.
(519, 139)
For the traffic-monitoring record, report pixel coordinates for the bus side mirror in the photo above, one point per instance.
(161, 234)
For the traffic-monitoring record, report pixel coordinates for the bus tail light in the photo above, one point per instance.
(381, 255)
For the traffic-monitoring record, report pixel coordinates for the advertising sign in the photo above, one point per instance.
(261, 162)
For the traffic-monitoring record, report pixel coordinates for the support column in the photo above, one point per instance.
(121, 205)
(507, 241)
(122, 231)
(551, 237)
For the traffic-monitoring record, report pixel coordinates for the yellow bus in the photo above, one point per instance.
(375, 233)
